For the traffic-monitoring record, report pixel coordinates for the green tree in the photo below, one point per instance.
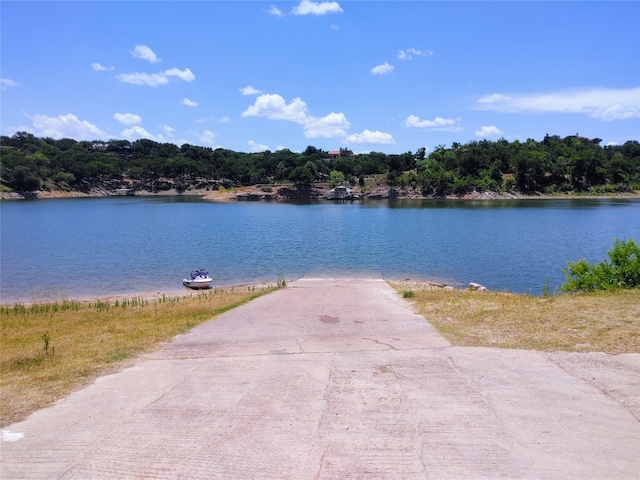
(301, 175)
(335, 178)
(24, 180)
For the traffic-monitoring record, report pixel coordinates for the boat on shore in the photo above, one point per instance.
(342, 192)
(198, 279)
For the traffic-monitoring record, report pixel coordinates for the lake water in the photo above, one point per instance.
(72, 248)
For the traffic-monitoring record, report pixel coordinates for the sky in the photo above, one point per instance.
(379, 76)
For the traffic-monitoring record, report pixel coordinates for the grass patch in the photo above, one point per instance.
(582, 322)
(49, 350)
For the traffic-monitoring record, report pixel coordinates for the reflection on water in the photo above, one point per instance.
(123, 245)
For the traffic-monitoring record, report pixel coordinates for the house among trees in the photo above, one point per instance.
(343, 152)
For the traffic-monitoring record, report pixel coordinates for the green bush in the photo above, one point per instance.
(623, 270)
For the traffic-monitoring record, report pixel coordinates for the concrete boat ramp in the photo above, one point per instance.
(338, 379)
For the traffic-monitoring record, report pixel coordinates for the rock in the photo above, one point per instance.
(477, 287)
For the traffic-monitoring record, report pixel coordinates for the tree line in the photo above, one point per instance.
(552, 165)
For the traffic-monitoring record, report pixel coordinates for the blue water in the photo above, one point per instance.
(70, 248)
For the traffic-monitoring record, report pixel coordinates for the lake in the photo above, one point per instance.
(77, 248)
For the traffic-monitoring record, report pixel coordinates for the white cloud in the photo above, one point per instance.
(274, 107)
(249, 90)
(138, 78)
(208, 137)
(128, 118)
(101, 68)
(273, 10)
(137, 132)
(186, 74)
(334, 27)
(488, 131)
(189, 103)
(66, 126)
(257, 147)
(601, 103)
(382, 69)
(618, 111)
(493, 99)
(155, 79)
(332, 125)
(307, 7)
(8, 83)
(367, 136)
(145, 53)
(224, 119)
(410, 52)
(167, 129)
(438, 123)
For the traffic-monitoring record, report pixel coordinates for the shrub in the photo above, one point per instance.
(623, 270)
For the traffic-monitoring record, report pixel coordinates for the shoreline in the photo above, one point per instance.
(184, 292)
(319, 192)
(147, 295)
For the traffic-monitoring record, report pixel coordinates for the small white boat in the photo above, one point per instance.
(198, 279)
(342, 192)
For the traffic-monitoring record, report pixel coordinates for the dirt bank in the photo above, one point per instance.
(297, 192)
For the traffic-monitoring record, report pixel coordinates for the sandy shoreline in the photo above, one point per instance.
(182, 292)
(178, 292)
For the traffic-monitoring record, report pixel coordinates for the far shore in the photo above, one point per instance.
(285, 192)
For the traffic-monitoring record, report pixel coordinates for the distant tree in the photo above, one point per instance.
(309, 151)
(336, 178)
(572, 163)
(302, 175)
(24, 180)
(530, 170)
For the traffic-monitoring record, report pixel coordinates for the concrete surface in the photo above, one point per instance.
(338, 379)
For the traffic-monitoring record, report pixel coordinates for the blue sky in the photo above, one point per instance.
(370, 76)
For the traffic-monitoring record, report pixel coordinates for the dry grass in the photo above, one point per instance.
(49, 350)
(585, 322)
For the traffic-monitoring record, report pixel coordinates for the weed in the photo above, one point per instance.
(46, 340)
(101, 306)
(281, 282)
